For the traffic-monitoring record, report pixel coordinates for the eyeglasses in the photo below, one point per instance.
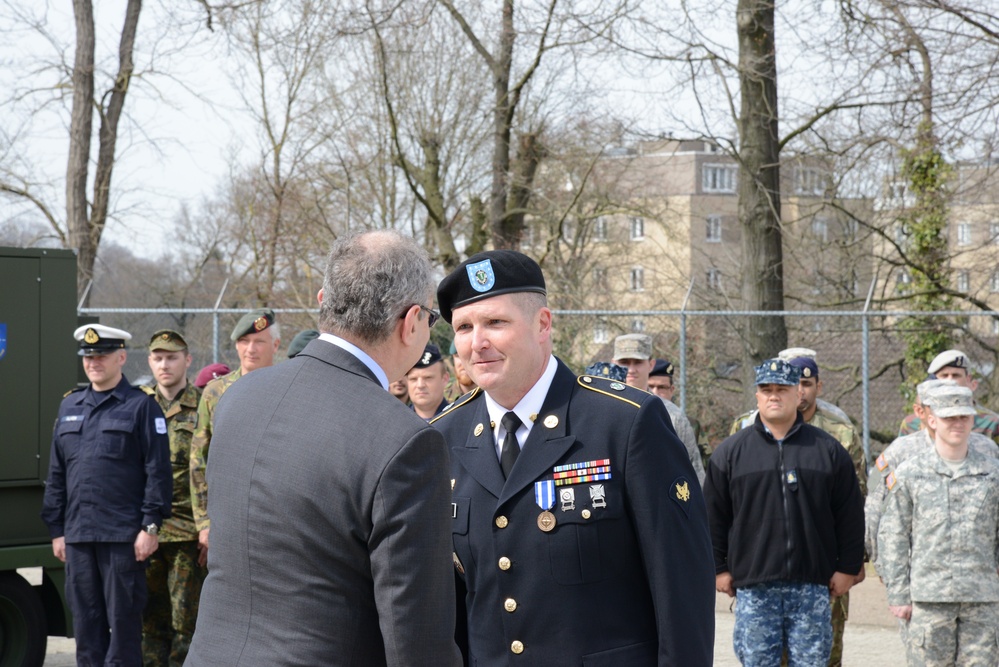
(432, 315)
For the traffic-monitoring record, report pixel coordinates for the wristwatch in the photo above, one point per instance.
(152, 529)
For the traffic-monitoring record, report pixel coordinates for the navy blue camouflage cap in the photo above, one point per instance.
(252, 322)
(431, 355)
(603, 369)
(777, 371)
(662, 367)
(488, 274)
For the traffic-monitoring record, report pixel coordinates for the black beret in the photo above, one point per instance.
(489, 274)
(662, 367)
(252, 322)
(431, 355)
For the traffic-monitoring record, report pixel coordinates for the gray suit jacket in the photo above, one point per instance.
(330, 540)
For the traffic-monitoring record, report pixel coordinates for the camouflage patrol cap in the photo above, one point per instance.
(168, 340)
(301, 339)
(777, 371)
(252, 322)
(633, 346)
(923, 388)
(603, 369)
(954, 358)
(951, 401)
(662, 367)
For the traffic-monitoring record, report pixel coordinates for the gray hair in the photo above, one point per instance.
(371, 279)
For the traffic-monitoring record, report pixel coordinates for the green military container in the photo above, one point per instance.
(38, 365)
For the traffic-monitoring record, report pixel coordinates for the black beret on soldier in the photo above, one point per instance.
(252, 322)
(489, 274)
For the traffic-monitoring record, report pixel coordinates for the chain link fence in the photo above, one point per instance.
(859, 353)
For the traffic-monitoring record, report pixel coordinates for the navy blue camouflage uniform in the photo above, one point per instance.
(109, 476)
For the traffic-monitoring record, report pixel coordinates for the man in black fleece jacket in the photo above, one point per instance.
(787, 526)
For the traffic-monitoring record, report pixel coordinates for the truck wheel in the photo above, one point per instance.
(23, 631)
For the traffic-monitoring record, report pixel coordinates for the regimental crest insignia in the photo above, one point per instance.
(481, 276)
(90, 337)
(426, 358)
(773, 366)
(164, 336)
(806, 372)
(260, 324)
(683, 491)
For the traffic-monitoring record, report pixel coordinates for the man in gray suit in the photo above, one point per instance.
(330, 524)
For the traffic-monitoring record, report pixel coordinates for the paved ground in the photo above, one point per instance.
(871, 634)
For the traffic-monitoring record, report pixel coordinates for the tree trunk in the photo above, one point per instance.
(758, 180)
(80, 127)
(504, 236)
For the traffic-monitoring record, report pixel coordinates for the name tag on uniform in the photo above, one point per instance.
(160, 423)
(71, 418)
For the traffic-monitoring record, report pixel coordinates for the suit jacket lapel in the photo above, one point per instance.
(478, 455)
(547, 442)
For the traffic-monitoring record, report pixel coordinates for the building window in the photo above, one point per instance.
(964, 233)
(994, 281)
(718, 178)
(600, 333)
(600, 277)
(714, 230)
(714, 279)
(600, 229)
(963, 281)
(637, 279)
(820, 229)
(638, 325)
(637, 228)
(811, 181)
(994, 233)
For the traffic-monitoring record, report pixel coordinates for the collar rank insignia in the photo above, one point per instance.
(683, 491)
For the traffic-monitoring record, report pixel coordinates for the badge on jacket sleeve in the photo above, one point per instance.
(160, 423)
(680, 494)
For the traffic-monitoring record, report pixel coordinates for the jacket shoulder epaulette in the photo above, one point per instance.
(460, 401)
(611, 388)
(145, 389)
(74, 390)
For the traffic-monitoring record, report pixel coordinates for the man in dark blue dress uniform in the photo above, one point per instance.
(578, 525)
(109, 489)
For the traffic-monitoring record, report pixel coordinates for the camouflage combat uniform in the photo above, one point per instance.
(174, 577)
(200, 443)
(685, 432)
(846, 434)
(938, 542)
(986, 423)
(900, 450)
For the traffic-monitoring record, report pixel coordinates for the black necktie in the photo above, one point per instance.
(511, 449)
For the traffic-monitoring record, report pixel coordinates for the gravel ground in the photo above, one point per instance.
(871, 634)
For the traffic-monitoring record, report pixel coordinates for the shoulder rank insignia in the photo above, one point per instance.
(146, 390)
(683, 491)
(457, 404)
(881, 462)
(595, 383)
(890, 480)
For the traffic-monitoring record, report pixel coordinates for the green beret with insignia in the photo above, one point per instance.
(168, 340)
(254, 321)
(489, 274)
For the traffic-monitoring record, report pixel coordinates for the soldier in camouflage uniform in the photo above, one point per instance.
(955, 365)
(902, 449)
(938, 542)
(841, 428)
(174, 577)
(634, 352)
(257, 339)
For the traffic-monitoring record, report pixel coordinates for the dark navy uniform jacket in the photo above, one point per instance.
(109, 472)
(625, 576)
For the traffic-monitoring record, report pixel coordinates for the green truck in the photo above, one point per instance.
(37, 366)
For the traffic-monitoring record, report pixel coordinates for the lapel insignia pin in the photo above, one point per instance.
(617, 386)
(551, 421)
(478, 429)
